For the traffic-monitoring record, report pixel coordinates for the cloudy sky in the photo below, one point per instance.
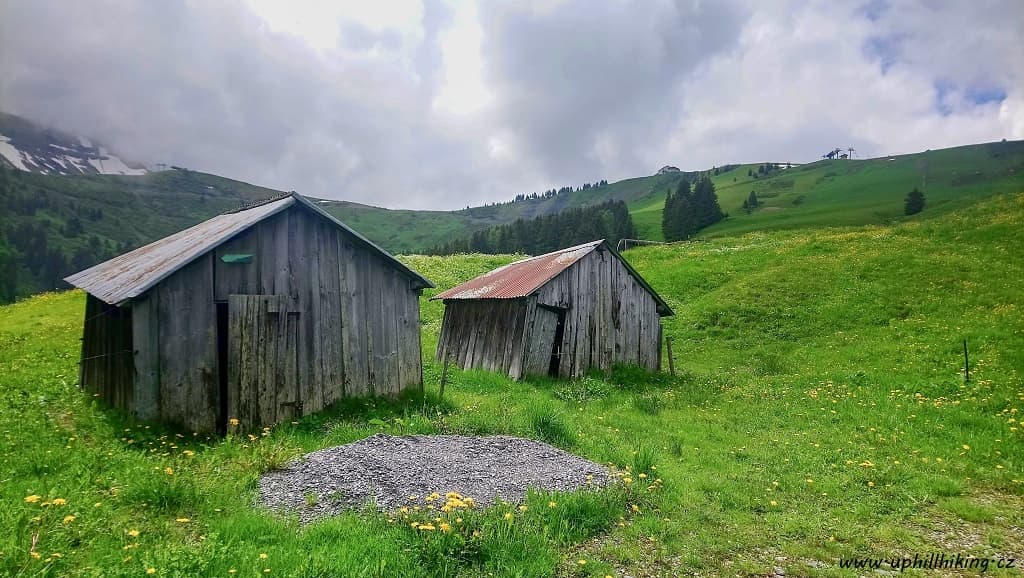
(442, 104)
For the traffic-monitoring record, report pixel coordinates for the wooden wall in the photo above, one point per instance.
(357, 321)
(106, 365)
(484, 334)
(610, 317)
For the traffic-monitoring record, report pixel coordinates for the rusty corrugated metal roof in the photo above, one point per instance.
(129, 275)
(523, 278)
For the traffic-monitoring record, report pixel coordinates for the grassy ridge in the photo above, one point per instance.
(855, 192)
(820, 414)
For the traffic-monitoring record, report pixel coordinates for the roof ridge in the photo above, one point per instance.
(565, 250)
(259, 203)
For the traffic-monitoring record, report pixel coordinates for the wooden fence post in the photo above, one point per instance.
(671, 359)
(967, 365)
(444, 374)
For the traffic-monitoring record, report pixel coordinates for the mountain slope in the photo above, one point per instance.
(857, 192)
(405, 231)
(52, 225)
(27, 146)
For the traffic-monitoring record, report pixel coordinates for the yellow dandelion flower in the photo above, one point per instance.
(35, 555)
(627, 480)
(189, 453)
(773, 503)
(445, 526)
(33, 498)
(59, 502)
(263, 556)
(642, 476)
(581, 562)
(552, 504)
(133, 533)
(635, 508)
(966, 447)
(427, 527)
(522, 508)
(871, 484)
(233, 422)
(68, 519)
(150, 570)
(232, 570)
(183, 520)
(508, 516)
(169, 471)
(458, 520)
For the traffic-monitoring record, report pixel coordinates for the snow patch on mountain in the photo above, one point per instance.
(11, 153)
(30, 147)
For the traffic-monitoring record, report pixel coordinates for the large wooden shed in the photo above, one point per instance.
(263, 314)
(559, 314)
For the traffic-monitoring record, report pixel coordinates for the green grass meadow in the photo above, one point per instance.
(819, 412)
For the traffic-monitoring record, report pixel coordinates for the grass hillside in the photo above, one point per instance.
(118, 212)
(820, 414)
(404, 231)
(855, 192)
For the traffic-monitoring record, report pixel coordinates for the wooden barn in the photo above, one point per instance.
(263, 314)
(559, 314)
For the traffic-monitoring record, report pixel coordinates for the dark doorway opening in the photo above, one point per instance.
(222, 368)
(556, 347)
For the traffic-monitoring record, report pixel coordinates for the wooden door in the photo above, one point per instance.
(541, 343)
(262, 384)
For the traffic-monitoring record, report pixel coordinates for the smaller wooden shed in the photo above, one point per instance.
(559, 314)
(263, 314)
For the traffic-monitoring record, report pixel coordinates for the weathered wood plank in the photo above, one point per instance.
(146, 345)
(188, 347)
(234, 278)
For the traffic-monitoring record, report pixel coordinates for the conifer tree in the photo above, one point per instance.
(914, 202)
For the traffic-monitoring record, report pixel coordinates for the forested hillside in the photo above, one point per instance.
(609, 220)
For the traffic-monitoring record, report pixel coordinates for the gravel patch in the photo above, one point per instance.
(384, 470)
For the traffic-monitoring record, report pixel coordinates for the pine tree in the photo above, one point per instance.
(751, 202)
(706, 209)
(914, 202)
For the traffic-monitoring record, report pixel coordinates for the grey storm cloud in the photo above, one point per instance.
(590, 85)
(578, 90)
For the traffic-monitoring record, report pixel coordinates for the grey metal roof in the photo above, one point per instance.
(523, 278)
(129, 275)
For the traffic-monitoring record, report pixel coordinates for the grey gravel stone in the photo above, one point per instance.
(383, 471)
